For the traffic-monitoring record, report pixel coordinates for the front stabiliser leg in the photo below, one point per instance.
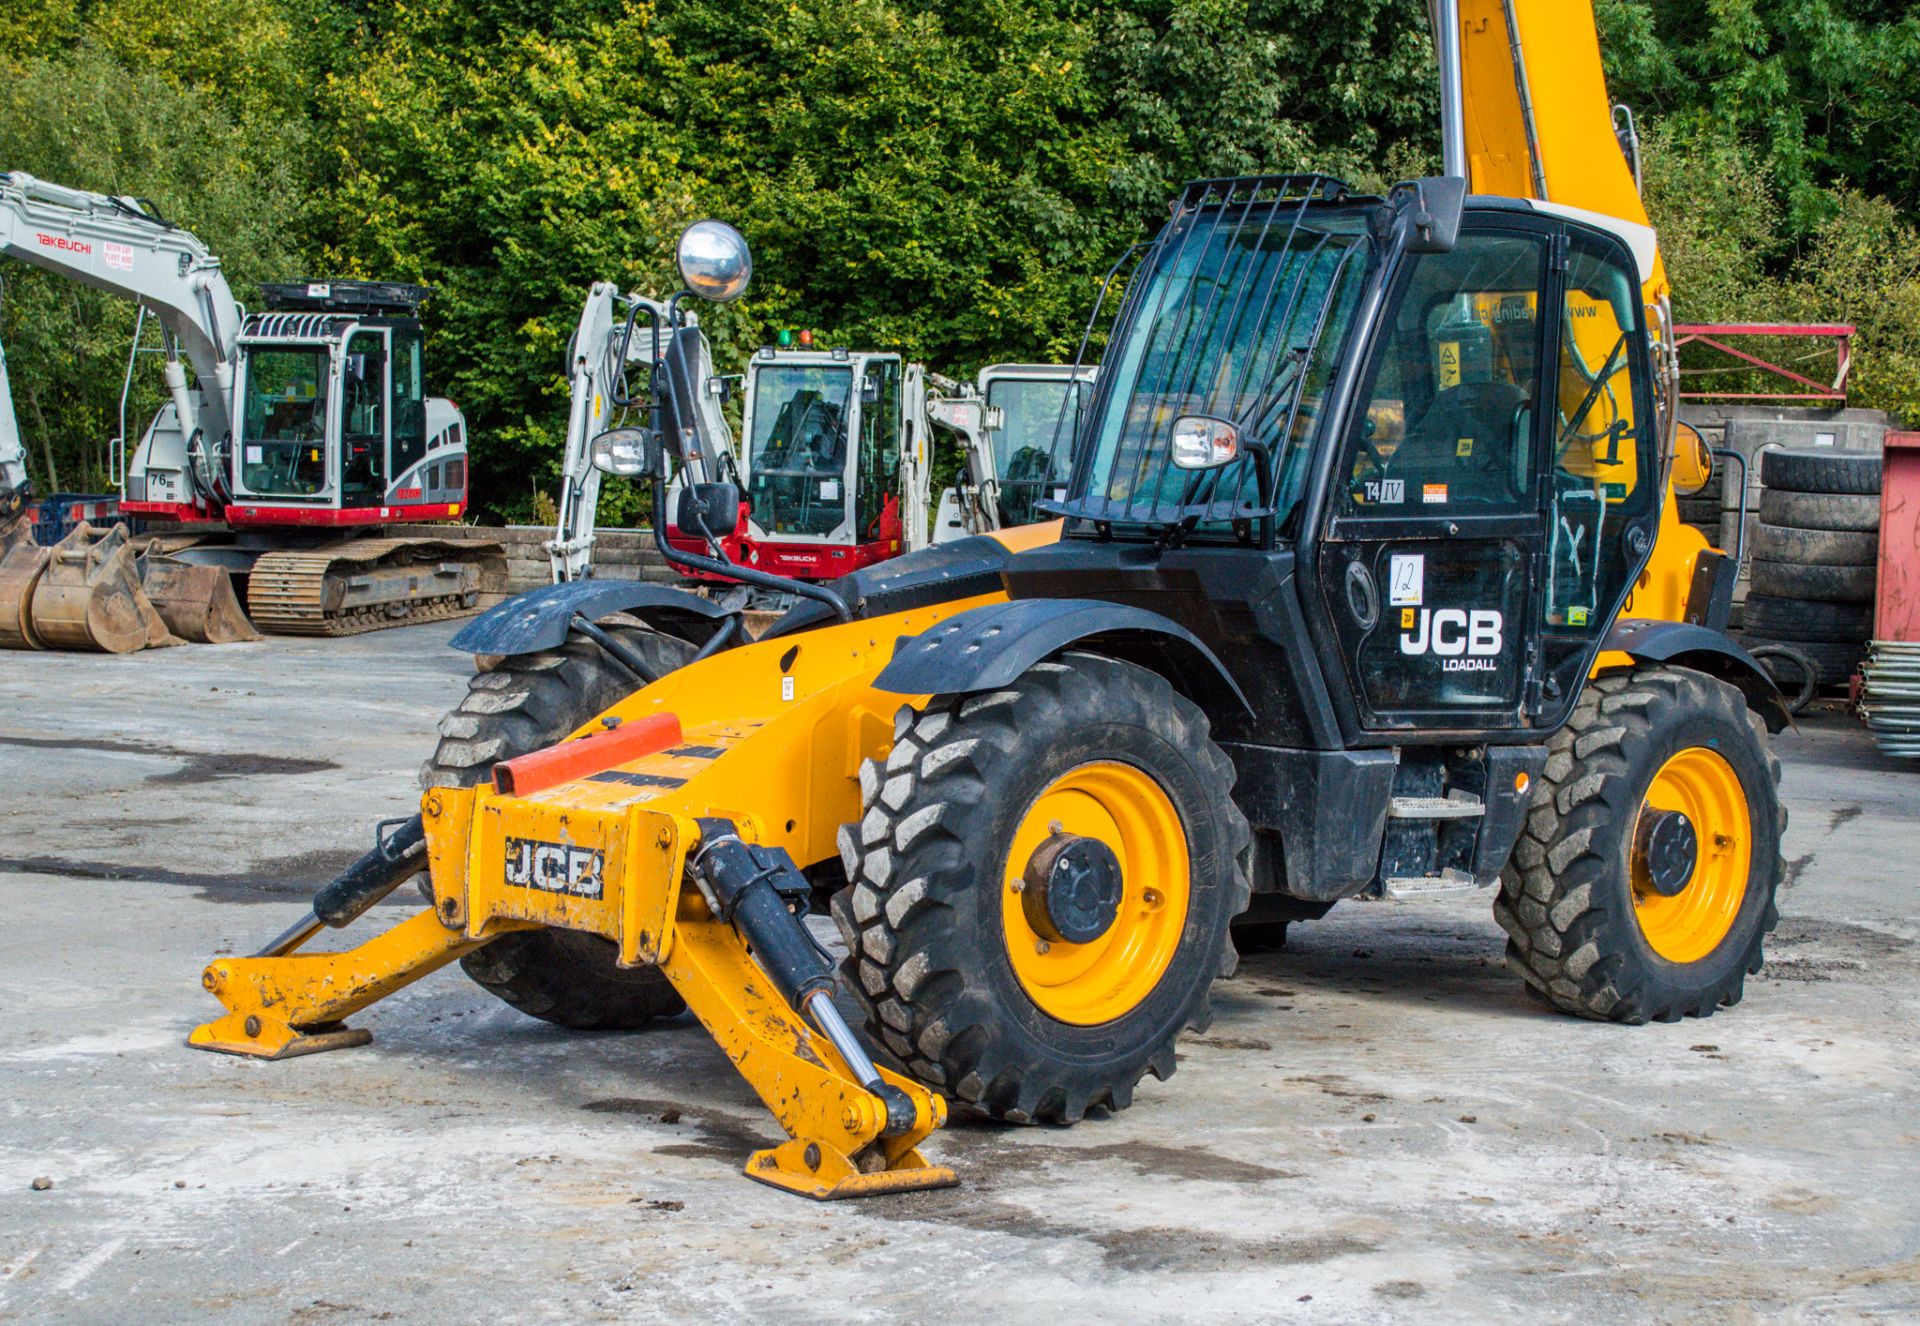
(281, 1003)
(855, 1128)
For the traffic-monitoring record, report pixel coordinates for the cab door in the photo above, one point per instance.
(1435, 522)
(1476, 540)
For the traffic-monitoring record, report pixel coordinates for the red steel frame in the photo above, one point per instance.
(1713, 334)
(1896, 609)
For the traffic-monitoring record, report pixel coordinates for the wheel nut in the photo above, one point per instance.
(1042, 946)
(1151, 897)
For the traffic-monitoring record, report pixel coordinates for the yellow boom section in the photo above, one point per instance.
(1538, 124)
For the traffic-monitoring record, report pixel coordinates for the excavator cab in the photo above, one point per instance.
(825, 434)
(1040, 406)
(334, 421)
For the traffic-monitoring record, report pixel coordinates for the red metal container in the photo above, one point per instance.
(1896, 613)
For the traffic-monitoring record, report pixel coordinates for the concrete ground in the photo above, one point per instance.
(1378, 1125)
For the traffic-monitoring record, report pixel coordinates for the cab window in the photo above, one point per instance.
(363, 440)
(879, 448)
(1447, 424)
(1601, 440)
(408, 402)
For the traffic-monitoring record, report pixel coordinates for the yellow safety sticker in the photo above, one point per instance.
(1464, 447)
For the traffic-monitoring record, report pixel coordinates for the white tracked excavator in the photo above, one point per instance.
(302, 430)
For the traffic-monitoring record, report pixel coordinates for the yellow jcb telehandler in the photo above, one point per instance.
(1366, 583)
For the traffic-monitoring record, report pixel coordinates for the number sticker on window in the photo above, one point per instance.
(1406, 580)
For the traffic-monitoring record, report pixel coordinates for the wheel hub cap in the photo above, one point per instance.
(1665, 850)
(1073, 889)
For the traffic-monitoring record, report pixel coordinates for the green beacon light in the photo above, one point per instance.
(783, 338)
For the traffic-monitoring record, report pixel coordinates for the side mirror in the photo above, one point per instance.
(1692, 460)
(629, 452)
(1201, 442)
(715, 262)
(714, 507)
(1432, 213)
(869, 391)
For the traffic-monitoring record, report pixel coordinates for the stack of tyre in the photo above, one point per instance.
(1813, 561)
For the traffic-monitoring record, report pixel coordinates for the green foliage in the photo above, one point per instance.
(947, 179)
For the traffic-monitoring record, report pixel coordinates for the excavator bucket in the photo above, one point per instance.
(22, 562)
(196, 602)
(90, 596)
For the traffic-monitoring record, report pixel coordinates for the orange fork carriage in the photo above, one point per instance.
(603, 833)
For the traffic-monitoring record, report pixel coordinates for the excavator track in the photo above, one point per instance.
(362, 585)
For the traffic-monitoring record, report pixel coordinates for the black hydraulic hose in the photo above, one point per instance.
(718, 640)
(746, 575)
(394, 859)
(620, 654)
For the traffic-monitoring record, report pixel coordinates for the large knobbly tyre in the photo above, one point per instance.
(1806, 619)
(1829, 511)
(1815, 547)
(1820, 470)
(1607, 913)
(524, 702)
(1821, 584)
(1078, 757)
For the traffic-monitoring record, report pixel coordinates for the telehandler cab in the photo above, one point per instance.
(1366, 583)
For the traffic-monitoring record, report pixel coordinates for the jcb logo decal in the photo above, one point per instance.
(1465, 640)
(554, 867)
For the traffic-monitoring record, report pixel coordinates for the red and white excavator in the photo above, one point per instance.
(302, 429)
(834, 471)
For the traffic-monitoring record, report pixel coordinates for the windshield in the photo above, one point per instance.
(797, 461)
(284, 426)
(1225, 322)
(1032, 449)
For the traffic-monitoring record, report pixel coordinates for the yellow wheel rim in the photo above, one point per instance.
(1691, 923)
(1108, 977)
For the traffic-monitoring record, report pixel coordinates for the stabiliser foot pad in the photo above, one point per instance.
(824, 1174)
(263, 1038)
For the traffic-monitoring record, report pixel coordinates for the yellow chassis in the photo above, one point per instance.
(773, 736)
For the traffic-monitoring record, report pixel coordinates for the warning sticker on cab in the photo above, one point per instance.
(1433, 494)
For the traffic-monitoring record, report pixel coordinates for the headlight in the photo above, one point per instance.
(1201, 442)
(625, 451)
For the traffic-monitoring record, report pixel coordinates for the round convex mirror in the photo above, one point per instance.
(715, 262)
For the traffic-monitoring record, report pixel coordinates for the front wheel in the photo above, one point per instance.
(1041, 888)
(1642, 888)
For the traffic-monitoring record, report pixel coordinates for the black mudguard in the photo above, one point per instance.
(540, 618)
(986, 648)
(1651, 640)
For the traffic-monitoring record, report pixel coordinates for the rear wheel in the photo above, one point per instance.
(1642, 888)
(1041, 888)
(522, 703)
